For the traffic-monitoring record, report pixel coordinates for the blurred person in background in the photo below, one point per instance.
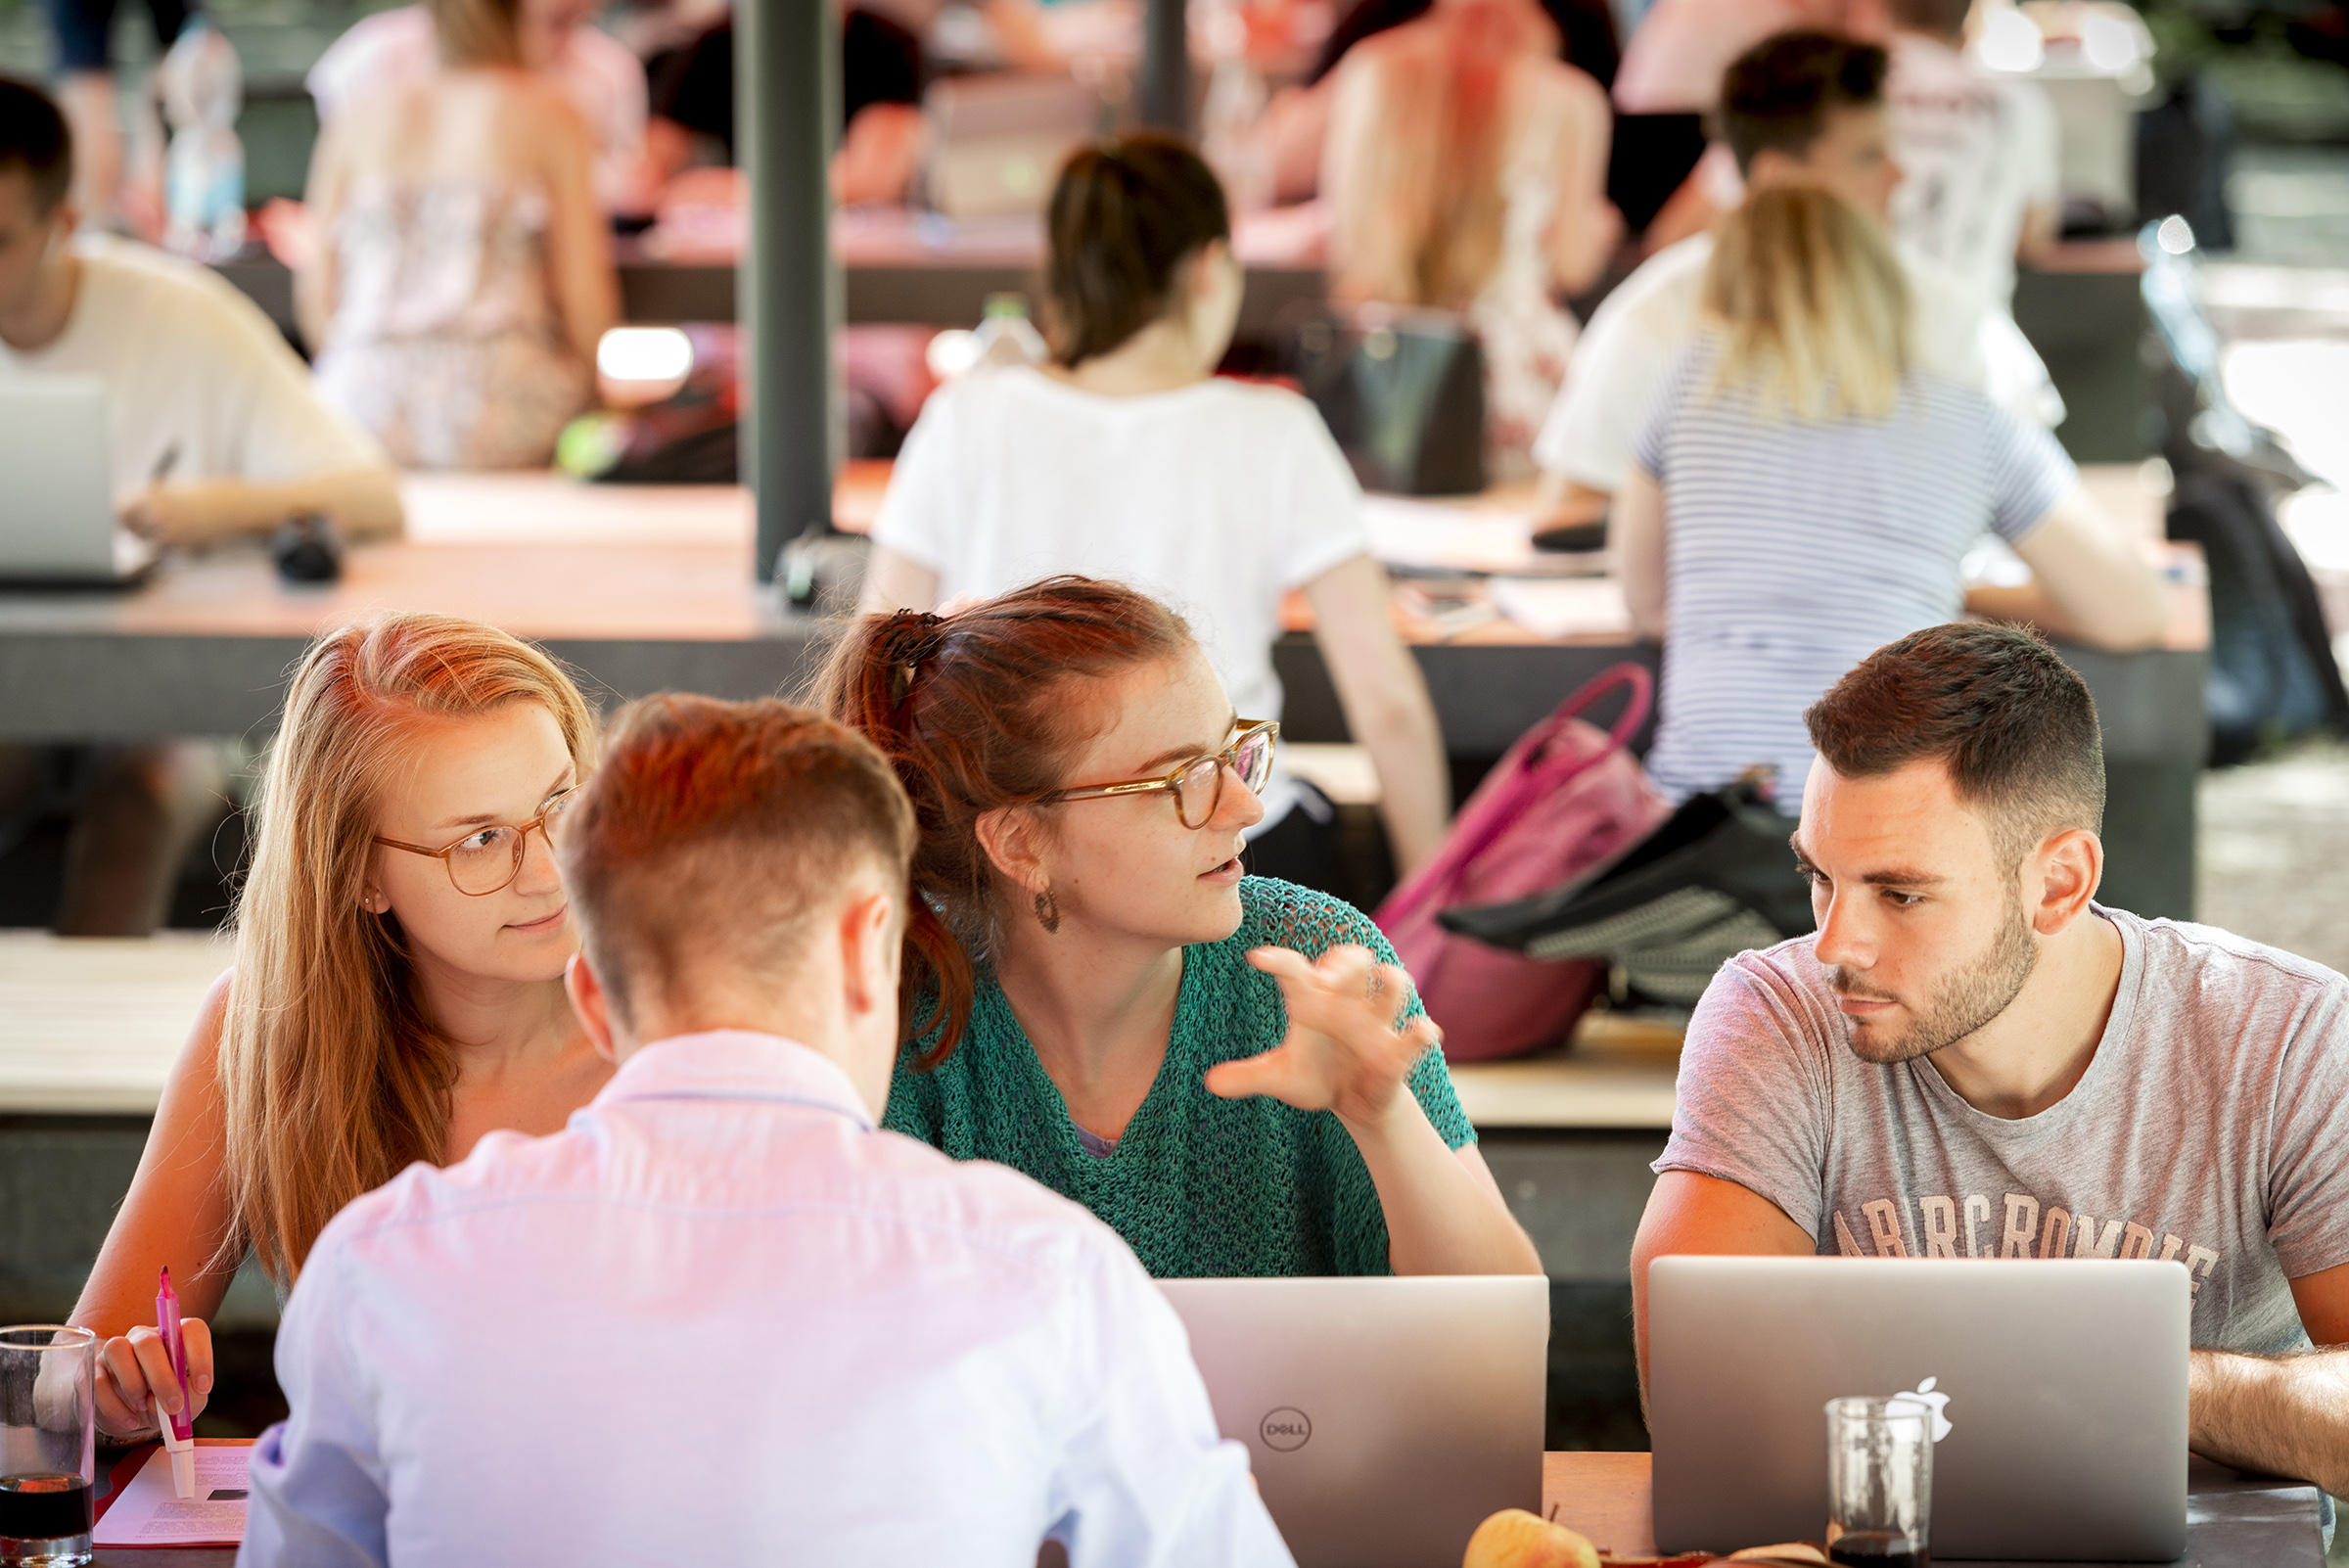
(1466, 169)
(1978, 152)
(463, 272)
(1127, 458)
(93, 107)
(1805, 492)
(593, 72)
(1801, 107)
(215, 435)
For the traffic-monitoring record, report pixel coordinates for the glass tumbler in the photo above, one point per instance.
(48, 1445)
(1879, 1482)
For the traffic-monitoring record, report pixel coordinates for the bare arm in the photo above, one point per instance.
(314, 285)
(2091, 585)
(1636, 533)
(893, 582)
(176, 1214)
(1559, 501)
(586, 290)
(1687, 1212)
(1584, 227)
(1386, 704)
(2283, 1415)
(362, 502)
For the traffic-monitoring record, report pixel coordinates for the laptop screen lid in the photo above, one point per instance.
(1385, 1418)
(2060, 1388)
(56, 472)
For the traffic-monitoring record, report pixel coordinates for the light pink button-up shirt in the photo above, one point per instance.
(720, 1318)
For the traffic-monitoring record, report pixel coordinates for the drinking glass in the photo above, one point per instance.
(1879, 1482)
(48, 1445)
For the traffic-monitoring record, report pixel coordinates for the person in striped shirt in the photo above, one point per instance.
(1806, 490)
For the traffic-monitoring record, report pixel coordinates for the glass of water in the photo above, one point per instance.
(48, 1445)
(1879, 1482)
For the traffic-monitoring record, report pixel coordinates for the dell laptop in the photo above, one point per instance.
(56, 508)
(1385, 1418)
(2058, 1390)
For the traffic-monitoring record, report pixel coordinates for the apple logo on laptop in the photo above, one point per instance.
(1286, 1430)
(1926, 1398)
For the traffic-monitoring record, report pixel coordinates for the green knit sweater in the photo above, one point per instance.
(1199, 1186)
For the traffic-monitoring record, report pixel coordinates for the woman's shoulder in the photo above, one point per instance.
(1282, 914)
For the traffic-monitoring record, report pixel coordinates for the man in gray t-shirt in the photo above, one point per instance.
(1972, 1059)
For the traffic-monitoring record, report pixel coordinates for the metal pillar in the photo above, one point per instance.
(1166, 66)
(786, 114)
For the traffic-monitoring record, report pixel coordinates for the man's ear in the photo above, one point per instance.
(592, 1004)
(1013, 842)
(2067, 868)
(871, 942)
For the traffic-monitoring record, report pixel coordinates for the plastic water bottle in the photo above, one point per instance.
(202, 88)
(1006, 337)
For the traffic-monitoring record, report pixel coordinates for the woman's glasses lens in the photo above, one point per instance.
(1254, 761)
(486, 861)
(1195, 792)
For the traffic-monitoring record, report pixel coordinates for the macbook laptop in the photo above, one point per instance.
(1385, 1418)
(57, 523)
(2060, 1389)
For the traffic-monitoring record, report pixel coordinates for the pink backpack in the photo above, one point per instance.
(1565, 799)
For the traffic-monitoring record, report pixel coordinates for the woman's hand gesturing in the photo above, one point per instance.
(1343, 1052)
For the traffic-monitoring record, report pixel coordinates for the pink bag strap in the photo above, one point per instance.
(1435, 878)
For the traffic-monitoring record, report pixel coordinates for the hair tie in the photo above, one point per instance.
(910, 637)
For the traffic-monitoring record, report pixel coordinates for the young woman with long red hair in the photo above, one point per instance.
(397, 991)
(1229, 1070)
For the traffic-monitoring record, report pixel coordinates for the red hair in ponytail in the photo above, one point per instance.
(979, 710)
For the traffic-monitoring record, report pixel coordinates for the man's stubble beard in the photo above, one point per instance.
(1969, 999)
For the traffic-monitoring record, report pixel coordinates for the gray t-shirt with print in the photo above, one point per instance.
(2212, 1126)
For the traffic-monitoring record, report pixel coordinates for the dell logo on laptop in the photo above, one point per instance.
(1926, 1399)
(1286, 1430)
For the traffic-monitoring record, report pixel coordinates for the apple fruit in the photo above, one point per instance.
(1517, 1539)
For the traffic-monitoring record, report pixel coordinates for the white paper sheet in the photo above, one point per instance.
(150, 1514)
(1551, 607)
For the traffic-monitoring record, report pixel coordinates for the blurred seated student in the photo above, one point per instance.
(215, 435)
(1974, 1058)
(530, 1357)
(1805, 492)
(462, 274)
(1466, 169)
(1804, 107)
(1127, 457)
(1978, 152)
(1230, 1070)
(882, 75)
(398, 987)
(591, 70)
(1297, 120)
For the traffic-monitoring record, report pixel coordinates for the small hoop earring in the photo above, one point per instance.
(1047, 911)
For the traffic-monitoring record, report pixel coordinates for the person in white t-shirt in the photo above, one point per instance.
(1126, 458)
(1977, 153)
(1804, 108)
(214, 434)
(596, 71)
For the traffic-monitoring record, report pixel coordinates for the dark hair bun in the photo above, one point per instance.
(1123, 215)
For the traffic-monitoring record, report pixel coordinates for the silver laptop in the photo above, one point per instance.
(56, 508)
(2060, 1387)
(996, 142)
(1384, 1419)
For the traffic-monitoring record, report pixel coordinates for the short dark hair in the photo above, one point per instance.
(1123, 215)
(33, 138)
(2011, 722)
(715, 831)
(1780, 93)
(1943, 19)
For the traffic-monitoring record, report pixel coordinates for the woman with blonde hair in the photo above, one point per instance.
(398, 989)
(1805, 493)
(463, 274)
(1465, 169)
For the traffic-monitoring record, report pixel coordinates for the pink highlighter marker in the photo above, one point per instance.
(177, 1431)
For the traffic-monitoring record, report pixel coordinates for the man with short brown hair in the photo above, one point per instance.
(1971, 1058)
(721, 1317)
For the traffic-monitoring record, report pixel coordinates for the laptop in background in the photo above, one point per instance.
(995, 142)
(2061, 1387)
(1385, 1418)
(57, 521)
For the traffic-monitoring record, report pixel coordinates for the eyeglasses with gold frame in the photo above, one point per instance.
(1249, 757)
(487, 859)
